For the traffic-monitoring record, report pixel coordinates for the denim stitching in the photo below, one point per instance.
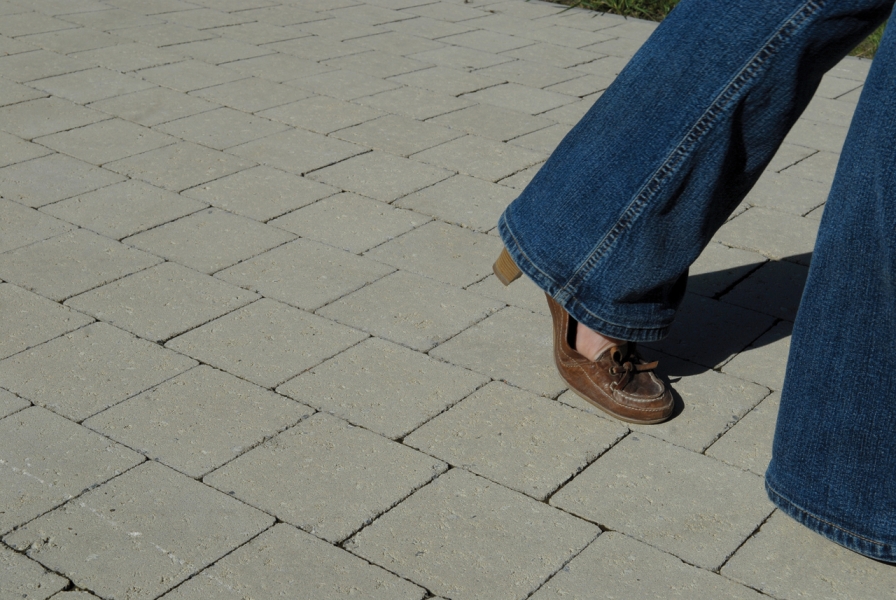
(699, 129)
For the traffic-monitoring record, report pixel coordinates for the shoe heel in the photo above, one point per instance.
(505, 269)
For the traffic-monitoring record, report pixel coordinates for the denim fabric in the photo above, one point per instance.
(635, 191)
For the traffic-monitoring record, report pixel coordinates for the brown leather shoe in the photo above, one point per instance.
(618, 382)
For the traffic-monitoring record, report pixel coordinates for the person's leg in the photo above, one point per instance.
(834, 465)
(610, 224)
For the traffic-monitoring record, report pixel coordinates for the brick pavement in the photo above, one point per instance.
(251, 346)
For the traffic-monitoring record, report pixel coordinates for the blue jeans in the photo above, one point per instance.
(635, 191)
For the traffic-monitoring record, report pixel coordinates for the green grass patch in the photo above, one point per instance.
(656, 10)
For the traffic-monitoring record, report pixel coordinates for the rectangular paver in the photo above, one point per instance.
(37, 320)
(154, 106)
(20, 226)
(397, 135)
(24, 578)
(297, 151)
(106, 141)
(480, 157)
(748, 444)
(462, 200)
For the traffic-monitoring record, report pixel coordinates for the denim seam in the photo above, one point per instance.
(519, 249)
(882, 545)
(676, 158)
(600, 318)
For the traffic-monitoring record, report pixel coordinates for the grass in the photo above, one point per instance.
(656, 10)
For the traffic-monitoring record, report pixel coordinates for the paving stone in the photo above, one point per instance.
(415, 103)
(675, 500)
(130, 57)
(480, 157)
(260, 193)
(544, 140)
(852, 68)
(74, 596)
(523, 294)
(66, 7)
(305, 274)
(144, 532)
(521, 98)
(88, 370)
(443, 80)
(820, 136)
(123, 209)
(834, 87)
(766, 359)
(282, 15)
(48, 460)
(90, 85)
(45, 116)
(444, 11)
(71, 263)
(321, 114)
(430, 29)
(788, 561)
(28, 66)
(344, 84)
(465, 201)
(221, 128)
(277, 67)
(336, 28)
(13, 93)
(397, 135)
(377, 64)
(851, 97)
(506, 23)
(70, 41)
(465, 537)
(189, 75)
(787, 156)
(513, 345)
(10, 403)
(24, 578)
(179, 166)
(528, 73)
(788, 193)
(38, 320)
(383, 387)
(529, 10)
(774, 234)
(206, 18)
(316, 48)
(221, 50)
(572, 113)
(381, 176)
(266, 342)
(819, 167)
(553, 55)
(106, 141)
(20, 226)
(443, 252)
(815, 214)
(252, 94)
(492, 122)
(528, 443)
(111, 19)
(410, 310)
(258, 33)
(459, 58)
(209, 240)
(162, 301)
(278, 558)
(153, 107)
(10, 46)
(570, 37)
(719, 267)
(297, 151)
(487, 41)
(16, 25)
(370, 15)
(608, 66)
(521, 179)
(580, 87)
(328, 459)
(402, 44)
(748, 444)
(621, 46)
(709, 332)
(351, 222)
(180, 422)
(164, 34)
(774, 289)
(621, 567)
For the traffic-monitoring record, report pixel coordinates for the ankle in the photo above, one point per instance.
(591, 344)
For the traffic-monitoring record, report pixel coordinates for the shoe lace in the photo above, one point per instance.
(628, 363)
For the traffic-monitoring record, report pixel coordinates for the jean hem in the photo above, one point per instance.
(575, 307)
(850, 540)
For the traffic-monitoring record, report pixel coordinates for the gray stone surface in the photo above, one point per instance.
(162, 301)
(748, 444)
(14, 150)
(495, 122)
(180, 422)
(523, 441)
(465, 537)
(480, 157)
(383, 387)
(283, 556)
(140, 534)
(47, 460)
(221, 128)
(521, 98)
(85, 371)
(91, 85)
(297, 151)
(397, 135)
(154, 106)
(189, 75)
(52, 178)
(694, 507)
(37, 320)
(616, 566)
(350, 222)
(20, 226)
(775, 289)
(462, 200)
(266, 342)
(251, 95)
(765, 360)
(321, 114)
(786, 560)
(513, 345)
(720, 267)
(327, 458)
(411, 310)
(305, 274)
(10, 403)
(24, 578)
(415, 103)
(522, 294)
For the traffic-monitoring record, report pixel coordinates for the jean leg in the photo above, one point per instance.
(834, 455)
(635, 191)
